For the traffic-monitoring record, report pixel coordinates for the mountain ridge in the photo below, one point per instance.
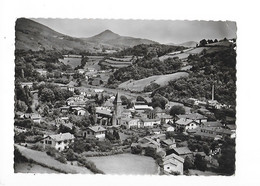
(31, 35)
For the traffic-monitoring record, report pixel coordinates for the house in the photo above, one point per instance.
(150, 123)
(173, 164)
(79, 111)
(193, 116)
(180, 151)
(58, 141)
(64, 109)
(28, 84)
(185, 124)
(212, 124)
(214, 132)
(148, 142)
(71, 86)
(156, 131)
(167, 128)
(142, 107)
(131, 122)
(98, 90)
(33, 116)
(95, 131)
(42, 72)
(166, 119)
(168, 143)
(81, 71)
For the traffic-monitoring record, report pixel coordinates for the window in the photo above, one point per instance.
(168, 167)
(46, 141)
(49, 142)
(59, 142)
(88, 132)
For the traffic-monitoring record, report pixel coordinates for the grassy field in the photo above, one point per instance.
(43, 159)
(201, 173)
(128, 164)
(162, 80)
(73, 62)
(183, 55)
(32, 168)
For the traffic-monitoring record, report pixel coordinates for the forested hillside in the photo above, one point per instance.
(216, 68)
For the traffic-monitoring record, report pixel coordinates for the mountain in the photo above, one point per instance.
(185, 44)
(188, 44)
(109, 38)
(30, 35)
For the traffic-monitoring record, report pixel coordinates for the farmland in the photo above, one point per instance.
(162, 80)
(117, 62)
(184, 54)
(43, 159)
(126, 164)
(73, 62)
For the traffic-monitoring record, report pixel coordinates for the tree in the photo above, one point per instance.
(203, 42)
(47, 95)
(200, 163)
(188, 164)
(176, 110)
(227, 160)
(21, 106)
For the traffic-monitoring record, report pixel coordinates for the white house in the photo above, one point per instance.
(58, 141)
(193, 116)
(131, 122)
(150, 123)
(173, 164)
(185, 124)
(95, 131)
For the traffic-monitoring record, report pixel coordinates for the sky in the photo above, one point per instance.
(162, 31)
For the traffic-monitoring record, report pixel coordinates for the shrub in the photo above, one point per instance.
(61, 159)
(136, 149)
(38, 147)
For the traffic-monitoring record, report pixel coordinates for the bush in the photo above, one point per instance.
(150, 151)
(38, 147)
(136, 149)
(51, 152)
(61, 159)
(70, 155)
(90, 165)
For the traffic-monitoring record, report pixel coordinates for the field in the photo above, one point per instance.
(118, 62)
(185, 53)
(32, 168)
(43, 159)
(129, 164)
(162, 80)
(73, 62)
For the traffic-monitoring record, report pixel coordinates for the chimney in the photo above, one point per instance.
(212, 93)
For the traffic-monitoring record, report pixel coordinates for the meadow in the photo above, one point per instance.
(129, 164)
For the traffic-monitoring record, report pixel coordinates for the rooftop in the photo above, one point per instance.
(182, 150)
(97, 128)
(61, 136)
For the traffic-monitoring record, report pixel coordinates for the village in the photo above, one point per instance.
(178, 137)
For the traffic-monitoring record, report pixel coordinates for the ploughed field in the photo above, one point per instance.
(128, 164)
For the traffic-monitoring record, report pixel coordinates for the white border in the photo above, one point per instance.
(246, 15)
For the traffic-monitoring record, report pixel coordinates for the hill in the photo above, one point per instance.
(30, 35)
(161, 80)
(187, 44)
(109, 38)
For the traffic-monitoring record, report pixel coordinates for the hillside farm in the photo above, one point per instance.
(184, 54)
(162, 80)
(72, 61)
(129, 164)
(117, 62)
